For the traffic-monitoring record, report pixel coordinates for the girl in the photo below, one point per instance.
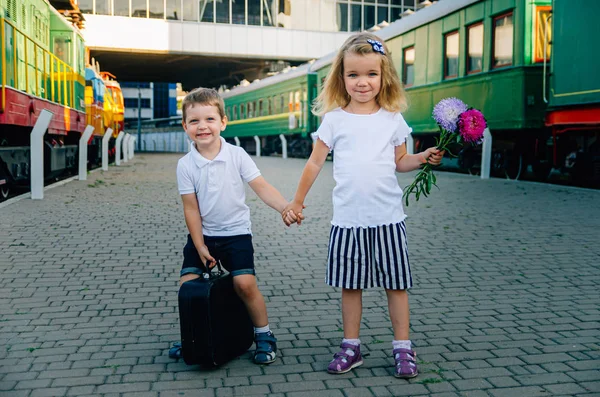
(361, 103)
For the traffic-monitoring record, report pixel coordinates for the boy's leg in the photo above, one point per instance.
(238, 259)
(247, 289)
(404, 356)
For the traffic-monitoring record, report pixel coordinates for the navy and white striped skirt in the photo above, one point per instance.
(361, 258)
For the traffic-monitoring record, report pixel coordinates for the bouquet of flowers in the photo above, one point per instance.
(459, 124)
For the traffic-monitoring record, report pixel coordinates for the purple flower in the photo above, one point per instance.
(471, 125)
(446, 113)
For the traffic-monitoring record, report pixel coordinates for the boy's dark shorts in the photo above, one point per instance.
(236, 254)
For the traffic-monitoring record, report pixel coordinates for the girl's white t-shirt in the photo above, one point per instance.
(366, 191)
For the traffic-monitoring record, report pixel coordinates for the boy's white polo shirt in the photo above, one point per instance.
(219, 188)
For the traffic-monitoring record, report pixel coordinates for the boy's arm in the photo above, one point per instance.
(193, 220)
(268, 194)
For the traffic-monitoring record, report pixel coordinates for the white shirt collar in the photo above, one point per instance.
(202, 161)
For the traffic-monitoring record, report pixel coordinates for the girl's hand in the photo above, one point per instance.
(206, 258)
(433, 156)
(292, 213)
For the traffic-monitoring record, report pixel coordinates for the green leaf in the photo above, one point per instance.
(429, 182)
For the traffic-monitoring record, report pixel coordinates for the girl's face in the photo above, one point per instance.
(362, 77)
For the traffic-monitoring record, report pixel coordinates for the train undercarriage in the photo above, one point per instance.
(60, 157)
(571, 158)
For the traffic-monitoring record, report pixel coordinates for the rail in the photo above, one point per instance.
(60, 79)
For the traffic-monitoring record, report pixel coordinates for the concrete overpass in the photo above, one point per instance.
(198, 54)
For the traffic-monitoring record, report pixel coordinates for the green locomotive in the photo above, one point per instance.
(493, 54)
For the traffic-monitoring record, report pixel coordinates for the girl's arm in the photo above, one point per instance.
(407, 162)
(193, 220)
(268, 194)
(309, 175)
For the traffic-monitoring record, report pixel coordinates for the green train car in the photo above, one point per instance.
(573, 90)
(493, 54)
(271, 107)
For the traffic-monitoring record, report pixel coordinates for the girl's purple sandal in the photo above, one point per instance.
(347, 358)
(406, 364)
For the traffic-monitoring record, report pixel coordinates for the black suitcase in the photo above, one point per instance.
(215, 324)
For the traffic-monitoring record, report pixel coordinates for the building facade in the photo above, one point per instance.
(156, 100)
(313, 15)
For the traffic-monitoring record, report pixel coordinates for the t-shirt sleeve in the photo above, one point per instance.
(325, 133)
(184, 180)
(402, 132)
(248, 168)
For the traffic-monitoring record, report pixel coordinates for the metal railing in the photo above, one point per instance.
(55, 74)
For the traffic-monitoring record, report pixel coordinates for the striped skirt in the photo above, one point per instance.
(361, 258)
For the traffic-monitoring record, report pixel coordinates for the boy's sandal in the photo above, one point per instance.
(266, 348)
(175, 351)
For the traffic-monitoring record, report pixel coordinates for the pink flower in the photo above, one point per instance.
(471, 125)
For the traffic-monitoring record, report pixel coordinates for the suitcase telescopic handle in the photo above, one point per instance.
(208, 271)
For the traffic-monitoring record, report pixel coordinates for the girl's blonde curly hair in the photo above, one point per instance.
(391, 97)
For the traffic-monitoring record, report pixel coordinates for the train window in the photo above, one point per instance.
(234, 115)
(250, 109)
(502, 41)
(228, 113)
(408, 66)
(451, 55)
(270, 104)
(62, 48)
(103, 7)
(543, 33)
(282, 107)
(261, 108)
(297, 101)
(475, 48)
(242, 111)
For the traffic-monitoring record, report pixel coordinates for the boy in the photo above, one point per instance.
(211, 183)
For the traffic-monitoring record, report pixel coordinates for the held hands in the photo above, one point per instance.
(432, 156)
(206, 258)
(292, 213)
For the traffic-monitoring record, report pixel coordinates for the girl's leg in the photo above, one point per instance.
(351, 312)
(404, 356)
(399, 313)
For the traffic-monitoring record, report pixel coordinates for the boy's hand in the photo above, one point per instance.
(292, 213)
(206, 258)
(433, 156)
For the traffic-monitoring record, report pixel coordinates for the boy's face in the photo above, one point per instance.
(203, 125)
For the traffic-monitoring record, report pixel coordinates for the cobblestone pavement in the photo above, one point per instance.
(506, 299)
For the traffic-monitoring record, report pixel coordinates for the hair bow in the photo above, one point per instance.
(377, 46)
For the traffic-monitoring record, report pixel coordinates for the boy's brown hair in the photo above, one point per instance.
(205, 97)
